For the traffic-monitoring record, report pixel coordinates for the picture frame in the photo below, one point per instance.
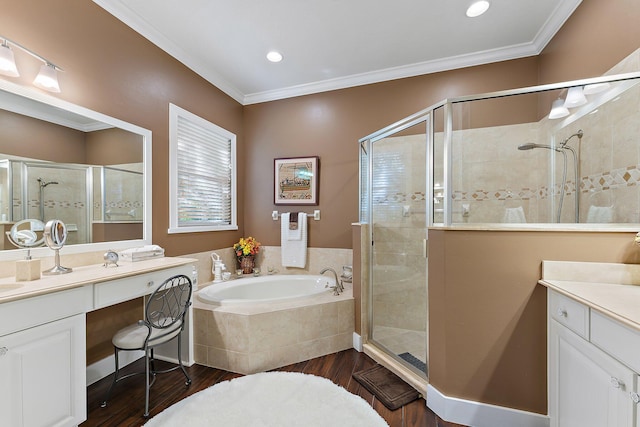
(295, 180)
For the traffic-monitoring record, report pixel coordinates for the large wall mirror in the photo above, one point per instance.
(62, 161)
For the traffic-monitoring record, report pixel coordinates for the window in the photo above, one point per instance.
(202, 174)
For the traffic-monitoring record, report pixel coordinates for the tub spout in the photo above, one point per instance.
(338, 288)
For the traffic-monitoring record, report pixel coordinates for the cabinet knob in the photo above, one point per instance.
(616, 383)
(562, 312)
(635, 397)
(3, 351)
(150, 283)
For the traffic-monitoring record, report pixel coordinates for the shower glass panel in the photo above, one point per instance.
(56, 192)
(398, 224)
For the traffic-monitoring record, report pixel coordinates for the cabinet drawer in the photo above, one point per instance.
(613, 337)
(116, 291)
(569, 313)
(29, 312)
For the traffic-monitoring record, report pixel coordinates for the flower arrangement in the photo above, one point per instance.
(246, 246)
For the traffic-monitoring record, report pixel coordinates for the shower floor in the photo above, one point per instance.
(398, 341)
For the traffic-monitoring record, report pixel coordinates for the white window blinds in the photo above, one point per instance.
(202, 174)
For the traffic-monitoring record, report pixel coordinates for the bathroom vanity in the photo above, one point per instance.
(42, 336)
(594, 343)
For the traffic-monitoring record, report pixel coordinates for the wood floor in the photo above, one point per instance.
(126, 405)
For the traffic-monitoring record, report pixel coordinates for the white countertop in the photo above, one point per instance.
(612, 289)
(11, 290)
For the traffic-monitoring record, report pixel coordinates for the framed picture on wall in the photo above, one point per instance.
(296, 180)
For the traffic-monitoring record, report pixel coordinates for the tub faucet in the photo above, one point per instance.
(338, 287)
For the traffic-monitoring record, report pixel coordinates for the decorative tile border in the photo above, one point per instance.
(615, 178)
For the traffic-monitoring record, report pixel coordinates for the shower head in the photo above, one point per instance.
(527, 146)
(531, 146)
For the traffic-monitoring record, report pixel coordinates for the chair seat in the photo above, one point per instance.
(132, 337)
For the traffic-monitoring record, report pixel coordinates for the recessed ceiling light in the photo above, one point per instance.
(274, 56)
(477, 8)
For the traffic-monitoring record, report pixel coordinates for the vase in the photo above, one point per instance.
(247, 263)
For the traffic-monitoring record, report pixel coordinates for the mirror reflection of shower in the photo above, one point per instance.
(563, 148)
(42, 185)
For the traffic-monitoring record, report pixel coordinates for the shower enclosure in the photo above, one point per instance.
(46, 191)
(488, 161)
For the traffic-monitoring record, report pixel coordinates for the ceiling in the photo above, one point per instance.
(334, 44)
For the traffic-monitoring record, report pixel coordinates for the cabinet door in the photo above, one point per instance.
(587, 387)
(43, 375)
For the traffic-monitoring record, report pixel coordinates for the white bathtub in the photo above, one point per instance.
(264, 289)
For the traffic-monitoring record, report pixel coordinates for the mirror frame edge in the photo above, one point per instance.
(43, 252)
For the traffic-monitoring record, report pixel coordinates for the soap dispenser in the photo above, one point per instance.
(217, 268)
(27, 269)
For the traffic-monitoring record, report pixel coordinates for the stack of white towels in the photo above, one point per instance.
(293, 240)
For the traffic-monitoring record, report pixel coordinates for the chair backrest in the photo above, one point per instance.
(167, 305)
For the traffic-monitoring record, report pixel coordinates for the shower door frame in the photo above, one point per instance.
(424, 117)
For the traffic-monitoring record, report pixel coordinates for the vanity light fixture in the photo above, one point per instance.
(595, 88)
(575, 97)
(558, 110)
(7, 61)
(477, 8)
(274, 56)
(46, 79)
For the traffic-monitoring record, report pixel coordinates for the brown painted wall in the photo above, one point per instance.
(599, 34)
(487, 315)
(37, 139)
(329, 125)
(114, 147)
(113, 70)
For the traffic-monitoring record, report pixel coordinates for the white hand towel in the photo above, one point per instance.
(514, 215)
(294, 251)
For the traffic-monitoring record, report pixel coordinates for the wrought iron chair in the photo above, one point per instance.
(165, 313)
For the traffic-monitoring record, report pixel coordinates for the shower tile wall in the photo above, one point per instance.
(124, 199)
(491, 176)
(65, 200)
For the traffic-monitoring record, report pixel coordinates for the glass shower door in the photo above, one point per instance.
(398, 267)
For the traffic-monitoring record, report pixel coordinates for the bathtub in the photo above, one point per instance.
(257, 324)
(265, 289)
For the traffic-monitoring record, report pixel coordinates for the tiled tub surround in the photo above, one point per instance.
(258, 337)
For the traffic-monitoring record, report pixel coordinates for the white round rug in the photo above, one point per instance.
(271, 399)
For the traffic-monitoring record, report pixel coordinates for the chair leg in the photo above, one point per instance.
(147, 384)
(115, 379)
(184, 371)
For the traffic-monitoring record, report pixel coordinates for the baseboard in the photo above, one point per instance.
(357, 342)
(478, 414)
(105, 367)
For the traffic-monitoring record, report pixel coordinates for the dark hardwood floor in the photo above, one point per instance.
(126, 405)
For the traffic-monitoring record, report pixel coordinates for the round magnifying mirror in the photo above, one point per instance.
(55, 234)
(24, 234)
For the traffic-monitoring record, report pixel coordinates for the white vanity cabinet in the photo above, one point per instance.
(42, 361)
(589, 385)
(43, 372)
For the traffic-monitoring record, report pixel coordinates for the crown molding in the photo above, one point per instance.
(139, 25)
(562, 12)
(411, 70)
